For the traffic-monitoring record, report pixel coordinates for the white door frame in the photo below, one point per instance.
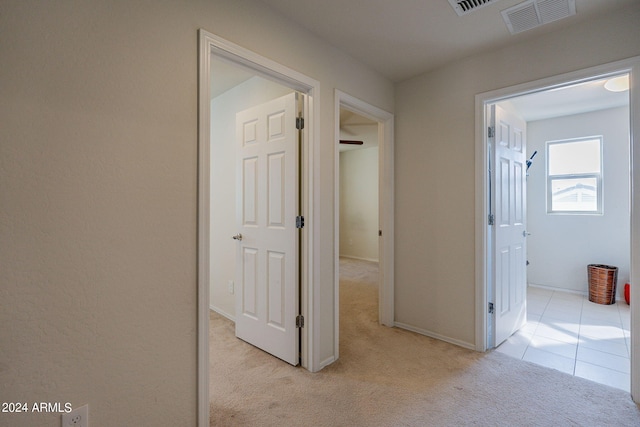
(483, 259)
(385, 207)
(210, 44)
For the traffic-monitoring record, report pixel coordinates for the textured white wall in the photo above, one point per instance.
(435, 172)
(223, 177)
(561, 246)
(359, 203)
(98, 201)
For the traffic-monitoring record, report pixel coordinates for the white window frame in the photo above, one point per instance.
(598, 177)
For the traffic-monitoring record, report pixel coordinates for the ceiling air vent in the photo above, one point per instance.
(533, 13)
(462, 7)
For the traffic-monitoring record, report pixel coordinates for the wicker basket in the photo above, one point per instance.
(602, 283)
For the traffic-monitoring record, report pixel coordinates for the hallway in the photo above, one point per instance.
(390, 376)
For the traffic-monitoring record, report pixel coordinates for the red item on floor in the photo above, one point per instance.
(627, 291)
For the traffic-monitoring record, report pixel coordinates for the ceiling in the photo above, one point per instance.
(573, 99)
(356, 127)
(386, 35)
(403, 39)
(225, 75)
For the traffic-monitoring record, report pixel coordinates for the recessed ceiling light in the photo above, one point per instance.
(617, 84)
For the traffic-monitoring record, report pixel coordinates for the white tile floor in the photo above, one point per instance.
(569, 333)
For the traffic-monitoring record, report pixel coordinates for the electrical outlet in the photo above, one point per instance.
(79, 417)
(230, 286)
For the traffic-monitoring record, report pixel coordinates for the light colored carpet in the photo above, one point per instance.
(392, 377)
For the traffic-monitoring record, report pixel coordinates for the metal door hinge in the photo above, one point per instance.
(491, 309)
(492, 219)
(299, 321)
(491, 132)
(299, 123)
(299, 221)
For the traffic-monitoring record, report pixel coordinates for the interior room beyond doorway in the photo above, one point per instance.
(233, 89)
(564, 330)
(567, 332)
(359, 208)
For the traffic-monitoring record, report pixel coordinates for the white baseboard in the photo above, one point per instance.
(619, 293)
(436, 336)
(555, 288)
(359, 258)
(326, 362)
(222, 313)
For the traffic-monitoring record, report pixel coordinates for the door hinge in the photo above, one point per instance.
(299, 321)
(491, 132)
(299, 123)
(491, 309)
(299, 221)
(492, 219)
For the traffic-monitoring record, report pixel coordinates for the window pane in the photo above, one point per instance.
(574, 195)
(574, 157)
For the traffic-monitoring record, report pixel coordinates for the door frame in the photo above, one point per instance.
(483, 261)
(385, 122)
(208, 45)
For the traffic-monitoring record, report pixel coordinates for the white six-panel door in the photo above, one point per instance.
(267, 237)
(510, 209)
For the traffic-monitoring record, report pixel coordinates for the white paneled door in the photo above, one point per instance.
(509, 209)
(267, 293)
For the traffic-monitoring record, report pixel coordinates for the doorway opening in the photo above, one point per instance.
(486, 272)
(358, 221)
(233, 89)
(364, 202)
(581, 130)
(220, 60)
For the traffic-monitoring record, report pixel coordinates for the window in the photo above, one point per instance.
(574, 176)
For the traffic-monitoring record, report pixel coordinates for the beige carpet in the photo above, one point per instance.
(391, 377)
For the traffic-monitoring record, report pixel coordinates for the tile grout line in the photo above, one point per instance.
(580, 334)
(533, 334)
(624, 335)
(575, 359)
